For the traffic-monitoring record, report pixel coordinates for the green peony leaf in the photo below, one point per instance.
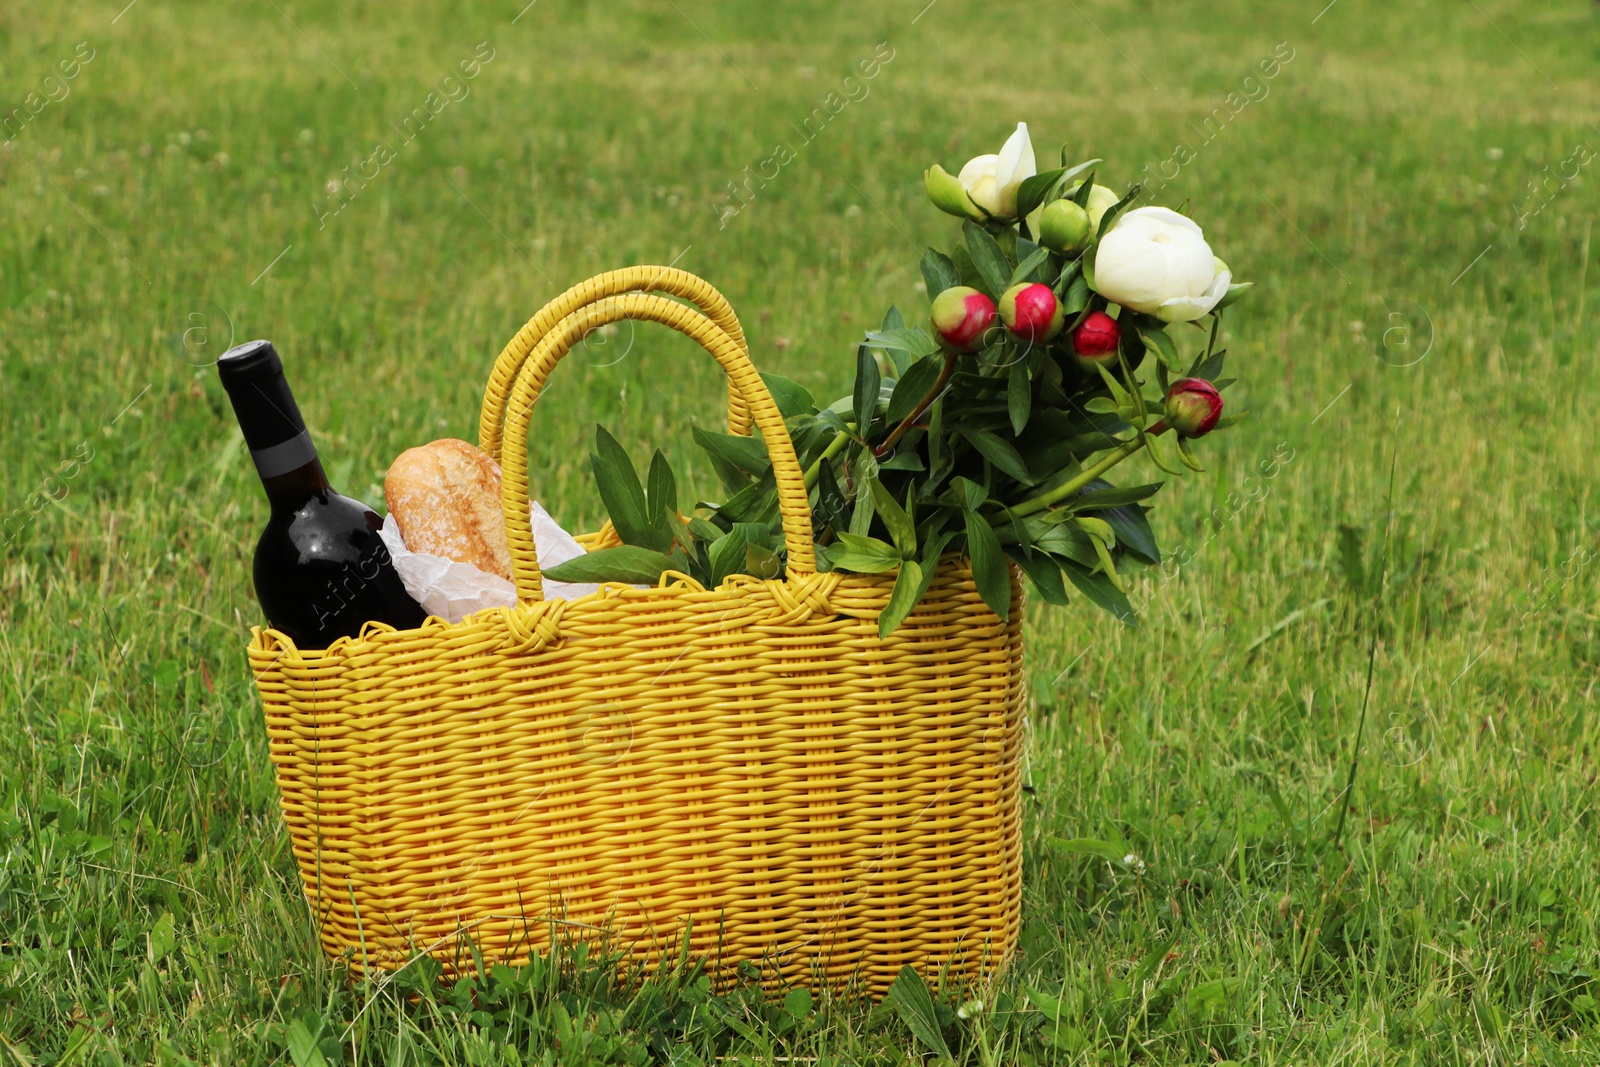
(905, 456)
(1037, 190)
(1109, 219)
(938, 272)
(999, 452)
(1101, 494)
(902, 598)
(864, 555)
(1076, 299)
(624, 496)
(989, 571)
(1031, 269)
(1085, 187)
(756, 502)
(762, 562)
(726, 555)
(912, 387)
(865, 394)
(901, 528)
(662, 491)
(966, 494)
(1102, 591)
(914, 340)
(966, 270)
(1159, 340)
(1209, 368)
(1044, 572)
(745, 454)
(623, 563)
(830, 506)
(990, 261)
(791, 397)
(1064, 541)
(1019, 396)
(704, 529)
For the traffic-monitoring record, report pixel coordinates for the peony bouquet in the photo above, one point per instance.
(991, 432)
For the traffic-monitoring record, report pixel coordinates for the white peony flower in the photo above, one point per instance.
(992, 181)
(1157, 261)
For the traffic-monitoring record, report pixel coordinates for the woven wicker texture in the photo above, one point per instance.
(750, 759)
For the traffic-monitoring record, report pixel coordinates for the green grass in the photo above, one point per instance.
(149, 907)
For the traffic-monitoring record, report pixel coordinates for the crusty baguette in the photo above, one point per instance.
(445, 498)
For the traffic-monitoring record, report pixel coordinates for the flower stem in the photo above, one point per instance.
(1072, 487)
(950, 360)
(835, 446)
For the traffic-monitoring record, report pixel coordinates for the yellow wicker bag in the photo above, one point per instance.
(748, 766)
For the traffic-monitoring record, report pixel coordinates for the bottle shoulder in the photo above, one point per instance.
(325, 526)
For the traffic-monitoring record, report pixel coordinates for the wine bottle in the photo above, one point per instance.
(321, 569)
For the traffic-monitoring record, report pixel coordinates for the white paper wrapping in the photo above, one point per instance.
(554, 545)
(453, 590)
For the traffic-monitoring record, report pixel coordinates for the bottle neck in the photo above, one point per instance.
(291, 490)
(273, 428)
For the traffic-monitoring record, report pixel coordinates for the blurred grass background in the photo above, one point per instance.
(1406, 191)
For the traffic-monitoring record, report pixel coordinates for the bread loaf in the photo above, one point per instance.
(445, 499)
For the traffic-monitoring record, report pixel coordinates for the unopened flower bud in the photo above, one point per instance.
(1031, 312)
(1193, 407)
(961, 315)
(1064, 227)
(1095, 340)
(1101, 200)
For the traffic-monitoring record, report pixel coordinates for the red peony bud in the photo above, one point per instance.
(1095, 340)
(1032, 312)
(1193, 407)
(961, 314)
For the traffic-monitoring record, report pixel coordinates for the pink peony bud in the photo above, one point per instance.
(1193, 407)
(961, 314)
(1095, 340)
(1032, 312)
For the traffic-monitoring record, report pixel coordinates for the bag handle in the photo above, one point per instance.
(669, 280)
(793, 499)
